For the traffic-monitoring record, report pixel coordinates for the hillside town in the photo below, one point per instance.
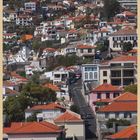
(70, 69)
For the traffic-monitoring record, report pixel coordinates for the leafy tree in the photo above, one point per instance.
(75, 108)
(14, 107)
(32, 118)
(111, 8)
(131, 88)
(127, 46)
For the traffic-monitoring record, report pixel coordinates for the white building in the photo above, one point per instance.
(129, 4)
(117, 39)
(46, 112)
(24, 20)
(30, 6)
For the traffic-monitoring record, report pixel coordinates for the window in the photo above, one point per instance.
(57, 75)
(104, 73)
(95, 75)
(91, 75)
(107, 95)
(105, 81)
(106, 115)
(98, 95)
(116, 94)
(116, 115)
(127, 115)
(89, 50)
(86, 76)
(81, 50)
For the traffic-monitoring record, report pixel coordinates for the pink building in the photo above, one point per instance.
(105, 93)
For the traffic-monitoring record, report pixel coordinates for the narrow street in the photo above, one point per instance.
(85, 111)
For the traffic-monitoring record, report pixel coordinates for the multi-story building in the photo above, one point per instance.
(24, 20)
(120, 71)
(117, 39)
(129, 4)
(30, 6)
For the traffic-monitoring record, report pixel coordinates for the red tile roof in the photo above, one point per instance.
(31, 128)
(133, 51)
(107, 87)
(85, 47)
(9, 83)
(49, 49)
(68, 116)
(126, 133)
(10, 91)
(124, 58)
(104, 100)
(51, 86)
(124, 32)
(50, 106)
(127, 96)
(119, 107)
(17, 76)
(128, 13)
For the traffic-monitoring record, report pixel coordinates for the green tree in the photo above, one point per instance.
(111, 8)
(131, 88)
(14, 107)
(75, 108)
(32, 118)
(127, 46)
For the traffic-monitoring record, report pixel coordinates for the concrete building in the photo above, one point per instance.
(30, 6)
(120, 71)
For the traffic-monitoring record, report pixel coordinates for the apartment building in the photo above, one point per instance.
(129, 4)
(117, 39)
(120, 71)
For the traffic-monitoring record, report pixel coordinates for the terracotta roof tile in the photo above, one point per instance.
(124, 32)
(10, 91)
(104, 100)
(126, 133)
(50, 106)
(128, 13)
(9, 83)
(107, 87)
(31, 128)
(68, 116)
(119, 107)
(127, 96)
(85, 47)
(51, 86)
(133, 51)
(124, 58)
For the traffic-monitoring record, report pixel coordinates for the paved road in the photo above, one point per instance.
(78, 99)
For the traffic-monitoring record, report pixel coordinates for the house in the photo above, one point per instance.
(103, 93)
(9, 89)
(120, 71)
(46, 111)
(59, 92)
(122, 107)
(24, 20)
(127, 133)
(127, 16)
(72, 35)
(73, 124)
(85, 51)
(90, 77)
(117, 39)
(9, 35)
(30, 6)
(33, 130)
